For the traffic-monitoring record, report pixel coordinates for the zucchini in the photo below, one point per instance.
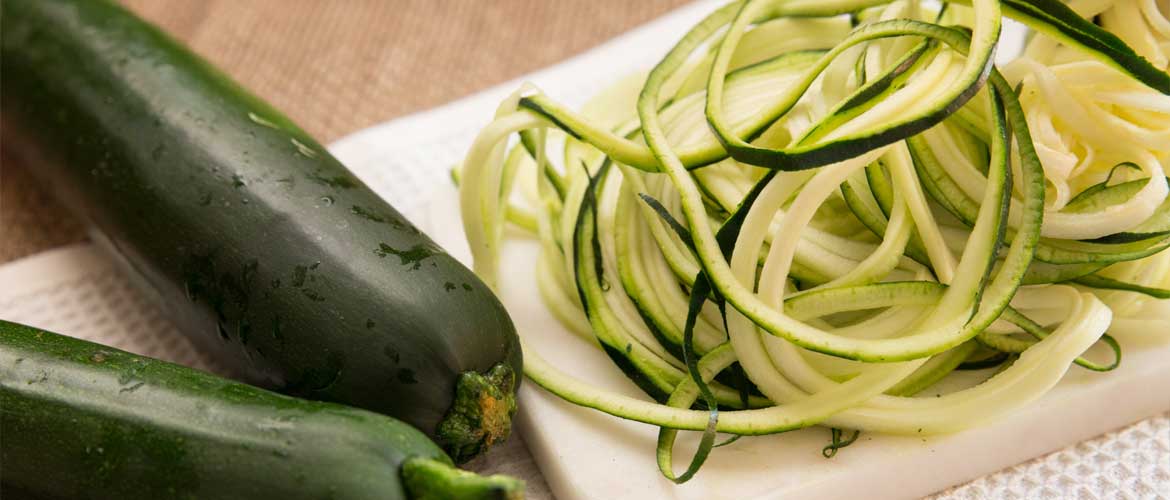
(820, 233)
(262, 247)
(82, 420)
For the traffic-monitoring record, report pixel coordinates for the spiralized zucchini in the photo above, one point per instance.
(810, 212)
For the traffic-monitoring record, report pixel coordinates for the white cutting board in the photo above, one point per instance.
(587, 454)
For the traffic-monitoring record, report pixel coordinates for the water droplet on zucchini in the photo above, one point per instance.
(392, 353)
(259, 120)
(299, 274)
(406, 376)
(410, 257)
(366, 214)
(243, 329)
(302, 149)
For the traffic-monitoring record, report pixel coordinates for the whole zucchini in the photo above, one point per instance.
(262, 246)
(81, 420)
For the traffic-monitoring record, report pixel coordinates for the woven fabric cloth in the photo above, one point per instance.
(78, 291)
(336, 67)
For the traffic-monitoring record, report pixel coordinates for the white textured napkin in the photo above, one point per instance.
(79, 291)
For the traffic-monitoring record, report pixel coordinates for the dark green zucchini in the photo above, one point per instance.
(261, 245)
(81, 420)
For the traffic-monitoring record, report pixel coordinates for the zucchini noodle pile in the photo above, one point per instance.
(810, 211)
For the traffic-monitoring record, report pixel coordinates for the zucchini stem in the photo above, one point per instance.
(430, 479)
(481, 415)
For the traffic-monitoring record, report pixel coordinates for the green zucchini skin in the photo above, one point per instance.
(262, 247)
(81, 420)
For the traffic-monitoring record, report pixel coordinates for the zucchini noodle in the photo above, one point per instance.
(810, 212)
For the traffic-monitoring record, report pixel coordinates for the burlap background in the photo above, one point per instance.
(336, 66)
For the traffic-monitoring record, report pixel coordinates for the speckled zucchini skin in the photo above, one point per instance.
(81, 420)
